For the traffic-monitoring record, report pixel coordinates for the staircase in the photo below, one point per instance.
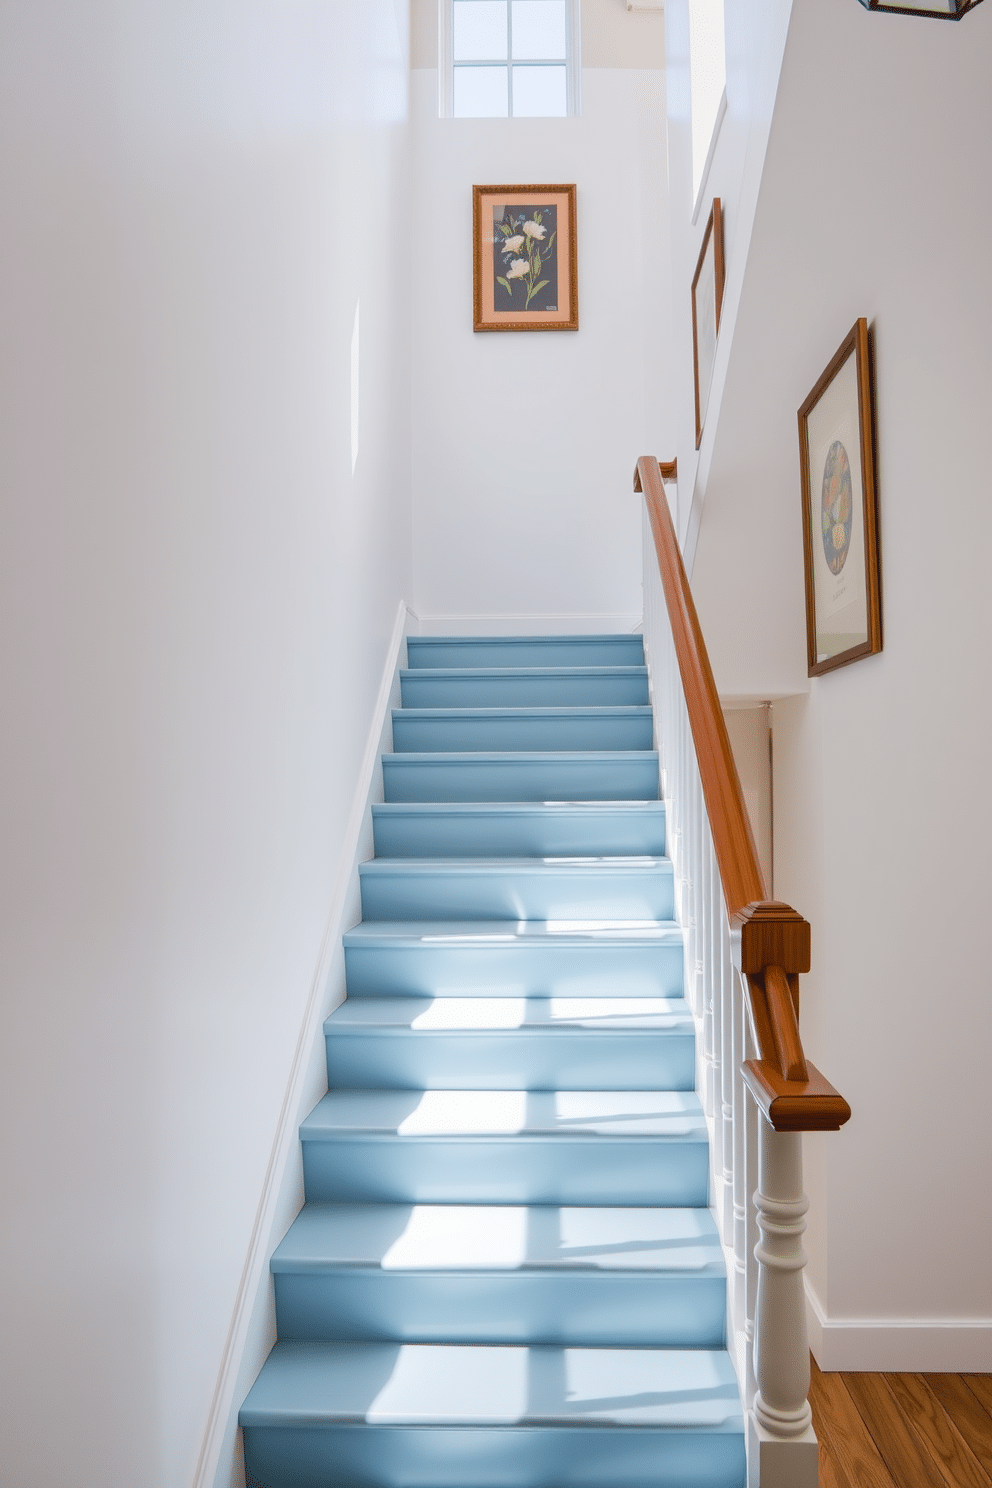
(505, 1274)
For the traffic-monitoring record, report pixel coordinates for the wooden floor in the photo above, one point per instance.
(903, 1430)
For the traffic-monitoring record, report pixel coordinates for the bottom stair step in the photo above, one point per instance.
(454, 1416)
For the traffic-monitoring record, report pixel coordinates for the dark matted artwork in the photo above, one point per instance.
(525, 258)
(525, 264)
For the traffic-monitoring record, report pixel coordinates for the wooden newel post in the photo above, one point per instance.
(791, 1096)
(782, 1446)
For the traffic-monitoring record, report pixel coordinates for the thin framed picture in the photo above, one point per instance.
(840, 515)
(524, 244)
(707, 303)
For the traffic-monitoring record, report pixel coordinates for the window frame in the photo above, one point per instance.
(700, 188)
(446, 66)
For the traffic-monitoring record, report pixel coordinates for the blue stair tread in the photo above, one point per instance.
(630, 889)
(514, 958)
(525, 687)
(651, 934)
(546, 650)
(434, 687)
(503, 1385)
(548, 730)
(465, 829)
(582, 811)
(539, 672)
(511, 1237)
(624, 726)
(493, 1042)
(504, 809)
(521, 775)
(629, 865)
(443, 1115)
(520, 757)
(510, 1015)
(582, 710)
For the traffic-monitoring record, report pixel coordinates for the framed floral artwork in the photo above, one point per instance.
(840, 516)
(525, 258)
(707, 305)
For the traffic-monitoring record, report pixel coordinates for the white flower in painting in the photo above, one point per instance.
(514, 245)
(517, 269)
(534, 231)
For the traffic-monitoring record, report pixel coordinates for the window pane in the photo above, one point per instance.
(538, 29)
(480, 30)
(707, 78)
(480, 93)
(539, 92)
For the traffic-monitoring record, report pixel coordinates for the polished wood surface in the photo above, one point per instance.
(784, 1025)
(903, 1430)
(772, 932)
(737, 856)
(796, 1105)
(775, 939)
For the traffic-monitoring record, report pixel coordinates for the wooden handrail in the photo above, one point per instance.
(775, 939)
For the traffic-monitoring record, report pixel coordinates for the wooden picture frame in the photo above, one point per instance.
(707, 306)
(840, 514)
(524, 257)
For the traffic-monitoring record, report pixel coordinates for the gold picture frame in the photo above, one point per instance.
(840, 510)
(524, 258)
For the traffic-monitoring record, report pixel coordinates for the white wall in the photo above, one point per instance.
(524, 445)
(873, 203)
(750, 740)
(197, 601)
(755, 32)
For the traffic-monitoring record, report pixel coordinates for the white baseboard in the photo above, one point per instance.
(595, 623)
(252, 1330)
(898, 1345)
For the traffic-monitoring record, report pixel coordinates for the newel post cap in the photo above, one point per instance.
(773, 934)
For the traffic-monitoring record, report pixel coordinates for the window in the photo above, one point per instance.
(510, 58)
(707, 82)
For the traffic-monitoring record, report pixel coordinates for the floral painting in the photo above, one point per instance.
(525, 263)
(836, 507)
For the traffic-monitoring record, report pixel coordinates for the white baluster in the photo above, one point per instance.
(706, 970)
(699, 812)
(688, 917)
(678, 810)
(751, 1182)
(728, 992)
(714, 911)
(782, 1447)
(679, 803)
(692, 892)
(740, 1149)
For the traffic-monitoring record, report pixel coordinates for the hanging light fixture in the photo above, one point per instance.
(943, 10)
